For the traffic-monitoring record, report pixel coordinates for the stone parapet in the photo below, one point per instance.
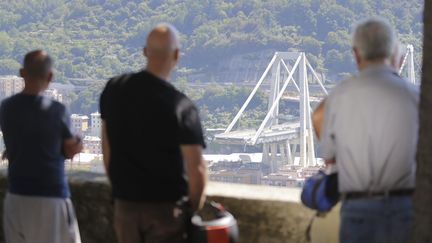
(264, 214)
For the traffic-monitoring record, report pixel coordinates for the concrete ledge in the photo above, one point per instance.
(254, 192)
(264, 214)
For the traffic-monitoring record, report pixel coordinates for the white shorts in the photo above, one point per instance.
(39, 220)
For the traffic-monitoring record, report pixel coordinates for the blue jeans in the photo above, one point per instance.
(380, 220)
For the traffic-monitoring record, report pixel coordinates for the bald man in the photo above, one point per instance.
(38, 138)
(152, 145)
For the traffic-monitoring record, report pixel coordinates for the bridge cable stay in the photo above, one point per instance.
(240, 112)
(289, 73)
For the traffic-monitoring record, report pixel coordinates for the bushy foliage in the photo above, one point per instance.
(93, 40)
(97, 39)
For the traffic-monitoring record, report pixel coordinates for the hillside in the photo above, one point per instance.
(96, 39)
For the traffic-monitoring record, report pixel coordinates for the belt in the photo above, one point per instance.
(391, 193)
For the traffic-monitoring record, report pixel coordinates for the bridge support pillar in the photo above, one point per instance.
(304, 102)
(265, 157)
(282, 149)
(289, 154)
(294, 150)
(273, 161)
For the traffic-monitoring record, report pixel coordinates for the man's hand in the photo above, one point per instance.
(330, 161)
(196, 170)
(72, 146)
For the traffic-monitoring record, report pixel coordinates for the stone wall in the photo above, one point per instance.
(264, 215)
(91, 197)
(3, 185)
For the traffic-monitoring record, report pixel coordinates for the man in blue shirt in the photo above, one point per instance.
(36, 133)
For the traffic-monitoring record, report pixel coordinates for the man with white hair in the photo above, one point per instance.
(369, 130)
(152, 144)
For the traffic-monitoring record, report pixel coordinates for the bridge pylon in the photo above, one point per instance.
(408, 64)
(284, 68)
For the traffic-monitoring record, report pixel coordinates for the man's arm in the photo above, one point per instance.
(196, 169)
(317, 121)
(105, 147)
(72, 146)
(317, 118)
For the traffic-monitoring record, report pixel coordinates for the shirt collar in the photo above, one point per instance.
(377, 68)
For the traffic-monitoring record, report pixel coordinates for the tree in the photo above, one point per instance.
(6, 44)
(9, 67)
(212, 32)
(423, 196)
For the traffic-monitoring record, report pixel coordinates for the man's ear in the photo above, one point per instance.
(357, 57)
(22, 72)
(50, 76)
(396, 58)
(176, 54)
(145, 51)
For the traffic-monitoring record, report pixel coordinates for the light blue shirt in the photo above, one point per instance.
(370, 127)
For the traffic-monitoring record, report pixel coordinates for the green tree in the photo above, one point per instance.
(9, 67)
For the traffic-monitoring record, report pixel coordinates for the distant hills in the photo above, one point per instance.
(96, 39)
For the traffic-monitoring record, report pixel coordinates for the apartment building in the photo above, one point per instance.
(95, 124)
(79, 123)
(92, 145)
(10, 85)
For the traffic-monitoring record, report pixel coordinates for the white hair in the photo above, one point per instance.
(374, 38)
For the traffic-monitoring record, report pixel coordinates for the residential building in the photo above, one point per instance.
(10, 85)
(92, 145)
(95, 124)
(54, 94)
(79, 123)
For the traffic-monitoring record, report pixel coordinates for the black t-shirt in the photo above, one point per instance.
(147, 120)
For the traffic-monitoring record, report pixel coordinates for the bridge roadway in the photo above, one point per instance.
(275, 133)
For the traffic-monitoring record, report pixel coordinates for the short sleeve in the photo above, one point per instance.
(190, 130)
(327, 143)
(66, 123)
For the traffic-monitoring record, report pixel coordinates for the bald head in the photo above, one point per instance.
(162, 41)
(162, 50)
(37, 65)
